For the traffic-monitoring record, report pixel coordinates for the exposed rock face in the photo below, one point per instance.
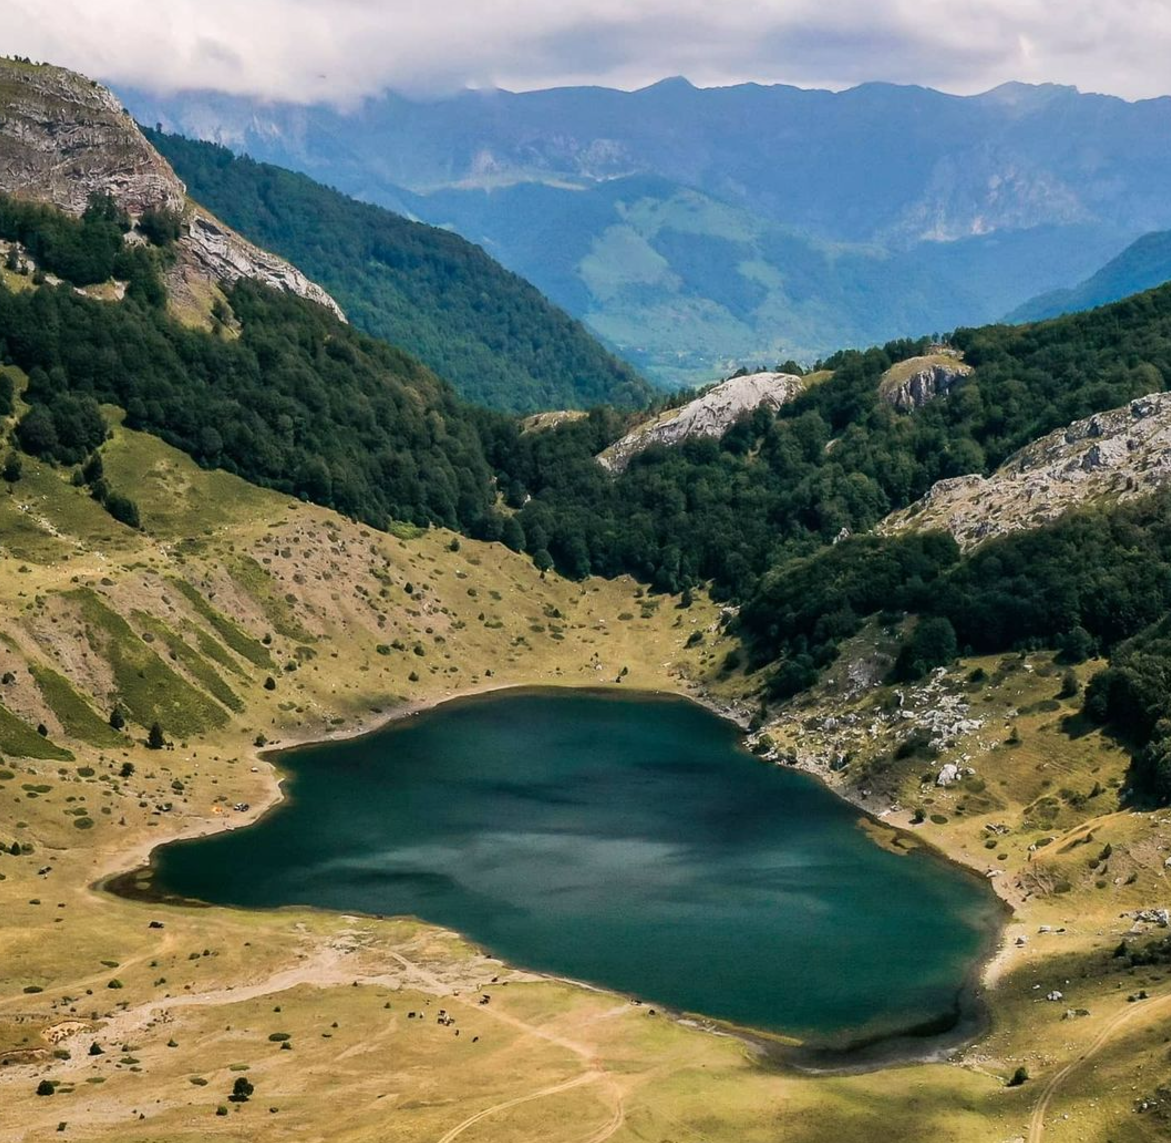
(227, 257)
(910, 384)
(709, 415)
(1114, 455)
(64, 138)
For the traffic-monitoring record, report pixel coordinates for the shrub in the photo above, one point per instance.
(123, 509)
(932, 644)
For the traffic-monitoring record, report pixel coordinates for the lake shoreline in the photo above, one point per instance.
(934, 1040)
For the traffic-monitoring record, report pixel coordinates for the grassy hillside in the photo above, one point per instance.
(444, 300)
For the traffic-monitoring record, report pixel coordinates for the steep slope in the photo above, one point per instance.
(1144, 264)
(489, 333)
(65, 139)
(1116, 455)
(709, 415)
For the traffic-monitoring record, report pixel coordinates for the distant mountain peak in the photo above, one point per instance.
(669, 83)
(1015, 93)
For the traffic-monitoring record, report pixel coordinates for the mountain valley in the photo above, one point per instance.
(288, 477)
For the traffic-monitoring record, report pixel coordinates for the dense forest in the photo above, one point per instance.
(299, 402)
(776, 515)
(495, 337)
(1090, 580)
(89, 249)
(838, 457)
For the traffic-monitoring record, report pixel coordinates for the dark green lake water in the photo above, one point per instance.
(627, 841)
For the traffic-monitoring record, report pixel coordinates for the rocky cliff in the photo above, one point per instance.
(64, 138)
(910, 384)
(1115, 455)
(709, 415)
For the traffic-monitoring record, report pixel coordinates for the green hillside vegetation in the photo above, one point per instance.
(85, 250)
(1084, 584)
(190, 660)
(299, 402)
(149, 690)
(443, 299)
(20, 739)
(78, 719)
(837, 457)
(231, 633)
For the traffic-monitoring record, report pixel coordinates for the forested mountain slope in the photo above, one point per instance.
(1144, 264)
(444, 300)
(297, 401)
(768, 513)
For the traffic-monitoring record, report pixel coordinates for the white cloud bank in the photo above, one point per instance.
(340, 50)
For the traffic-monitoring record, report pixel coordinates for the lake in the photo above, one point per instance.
(629, 841)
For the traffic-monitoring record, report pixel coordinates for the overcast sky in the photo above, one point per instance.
(340, 50)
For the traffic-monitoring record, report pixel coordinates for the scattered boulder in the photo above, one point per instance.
(1160, 917)
(949, 774)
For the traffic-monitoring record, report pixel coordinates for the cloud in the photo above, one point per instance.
(341, 50)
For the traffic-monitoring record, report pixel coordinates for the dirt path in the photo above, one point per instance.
(329, 965)
(594, 1073)
(577, 1081)
(1147, 1010)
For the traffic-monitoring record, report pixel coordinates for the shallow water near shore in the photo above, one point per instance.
(628, 841)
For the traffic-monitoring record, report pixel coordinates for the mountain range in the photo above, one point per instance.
(699, 229)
